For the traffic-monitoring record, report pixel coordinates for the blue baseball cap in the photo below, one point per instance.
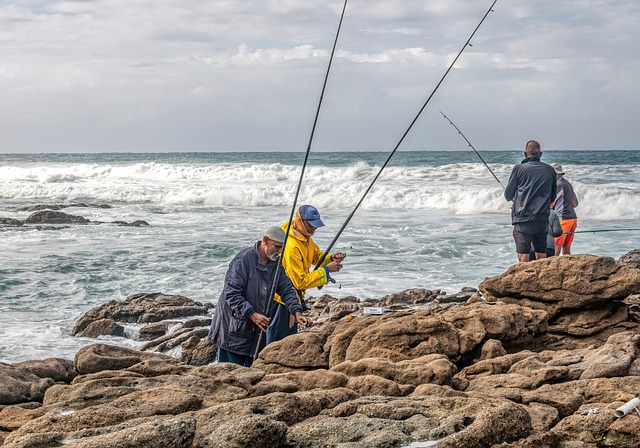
(311, 214)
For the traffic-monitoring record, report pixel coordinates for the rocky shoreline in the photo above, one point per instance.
(540, 356)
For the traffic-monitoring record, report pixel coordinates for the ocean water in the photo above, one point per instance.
(433, 220)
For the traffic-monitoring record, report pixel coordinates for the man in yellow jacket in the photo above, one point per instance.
(300, 253)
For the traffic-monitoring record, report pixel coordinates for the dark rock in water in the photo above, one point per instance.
(19, 385)
(153, 331)
(631, 259)
(10, 222)
(144, 308)
(53, 217)
(137, 223)
(102, 327)
(34, 208)
(58, 369)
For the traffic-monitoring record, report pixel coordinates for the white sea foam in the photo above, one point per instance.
(459, 188)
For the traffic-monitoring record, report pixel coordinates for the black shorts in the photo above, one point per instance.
(530, 233)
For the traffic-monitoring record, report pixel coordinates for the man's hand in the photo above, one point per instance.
(260, 320)
(338, 257)
(334, 266)
(303, 320)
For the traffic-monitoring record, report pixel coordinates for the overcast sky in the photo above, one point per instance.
(226, 75)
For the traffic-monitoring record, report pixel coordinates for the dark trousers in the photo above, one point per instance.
(279, 326)
(224, 356)
(550, 253)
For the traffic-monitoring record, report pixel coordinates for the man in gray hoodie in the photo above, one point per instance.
(532, 188)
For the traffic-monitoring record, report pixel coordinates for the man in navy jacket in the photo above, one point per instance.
(241, 313)
(532, 188)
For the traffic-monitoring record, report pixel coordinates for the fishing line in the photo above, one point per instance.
(272, 293)
(598, 230)
(467, 43)
(474, 149)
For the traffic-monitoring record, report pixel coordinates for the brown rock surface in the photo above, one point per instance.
(557, 284)
(19, 385)
(465, 375)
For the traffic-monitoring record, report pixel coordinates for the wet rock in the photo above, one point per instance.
(143, 308)
(102, 327)
(10, 222)
(54, 217)
(153, 331)
(34, 208)
(136, 223)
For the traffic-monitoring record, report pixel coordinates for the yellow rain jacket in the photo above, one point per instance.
(298, 257)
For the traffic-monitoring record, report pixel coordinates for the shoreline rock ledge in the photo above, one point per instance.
(541, 357)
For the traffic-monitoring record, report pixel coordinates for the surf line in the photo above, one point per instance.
(474, 149)
(272, 292)
(466, 44)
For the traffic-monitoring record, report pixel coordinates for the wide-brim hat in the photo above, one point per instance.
(557, 168)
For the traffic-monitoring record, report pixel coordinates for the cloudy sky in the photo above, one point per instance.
(225, 75)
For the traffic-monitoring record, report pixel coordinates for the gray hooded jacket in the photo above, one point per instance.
(532, 188)
(247, 286)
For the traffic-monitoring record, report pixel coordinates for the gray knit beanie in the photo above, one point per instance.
(275, 233)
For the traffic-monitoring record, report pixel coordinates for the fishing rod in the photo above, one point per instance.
(598, 230)
(474, 149)
(466, 44)
(272, 293)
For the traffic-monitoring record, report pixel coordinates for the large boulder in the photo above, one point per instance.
(586, 297)
(19, 385)
(561, 284)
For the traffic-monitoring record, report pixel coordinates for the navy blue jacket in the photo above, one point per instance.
(247, 285)
(532, 188)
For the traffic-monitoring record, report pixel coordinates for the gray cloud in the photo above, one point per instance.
(137, 75)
